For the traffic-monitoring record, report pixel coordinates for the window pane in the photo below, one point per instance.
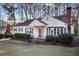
(64, 30)
(54, 31)
(15, 29)
(61, 30)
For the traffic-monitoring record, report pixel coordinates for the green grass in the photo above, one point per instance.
(36, 50)
(78, 31)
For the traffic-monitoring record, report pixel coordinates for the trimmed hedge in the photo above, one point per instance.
(66, 38)
(63, 38)
(1, 36)
(8, 36)
(51, 38)
(19, 36)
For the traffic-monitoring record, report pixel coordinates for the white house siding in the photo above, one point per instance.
(35, 32)
(45, 32)
(72, 29)
(2, 31)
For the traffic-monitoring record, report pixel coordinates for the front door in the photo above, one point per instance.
(40, 32)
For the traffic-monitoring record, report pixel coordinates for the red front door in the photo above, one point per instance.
(40, 32)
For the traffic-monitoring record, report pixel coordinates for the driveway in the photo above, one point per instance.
(20, 48)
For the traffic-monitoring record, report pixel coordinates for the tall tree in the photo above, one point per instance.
(10, 9)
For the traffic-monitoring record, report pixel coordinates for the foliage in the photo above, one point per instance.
(51, 38)
(8, 36)
(1, 36)
(63, 38)
(20, 36)
(66, 38)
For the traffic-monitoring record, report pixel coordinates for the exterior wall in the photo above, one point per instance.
(72, 29)
(78, 29)
(35, 32)
(20, 27)
(44, 31)
(2, 31)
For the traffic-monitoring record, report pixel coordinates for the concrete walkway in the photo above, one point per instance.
(5, 39)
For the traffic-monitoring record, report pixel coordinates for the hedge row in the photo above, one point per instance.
(63, 38)
(1, 36)
(23, 37)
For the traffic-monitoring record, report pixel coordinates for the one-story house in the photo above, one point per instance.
(41, 27)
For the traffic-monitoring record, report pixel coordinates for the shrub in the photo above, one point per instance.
(20, 36)
(51, 38)
(8, 36)
(48, 38)
(1, 36)
(66, 38)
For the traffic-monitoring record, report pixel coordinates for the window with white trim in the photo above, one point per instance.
(28, 30)
(64, 30)
(15, 29)
(20, 29)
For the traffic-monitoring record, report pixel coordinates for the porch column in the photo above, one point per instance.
(59, 30)
(53, 31)
(63, 30)
(48, 31)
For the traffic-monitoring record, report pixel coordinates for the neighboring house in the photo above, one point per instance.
(41, 27)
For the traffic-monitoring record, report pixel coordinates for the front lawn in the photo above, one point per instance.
(37, 50)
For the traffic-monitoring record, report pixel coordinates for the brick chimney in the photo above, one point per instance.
(69, 19)
(7, 32)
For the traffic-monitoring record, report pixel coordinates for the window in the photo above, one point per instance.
(61, 30)
(20, 29)
(28, 30)
(54, 31)
(15, 29)
(64, 30)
